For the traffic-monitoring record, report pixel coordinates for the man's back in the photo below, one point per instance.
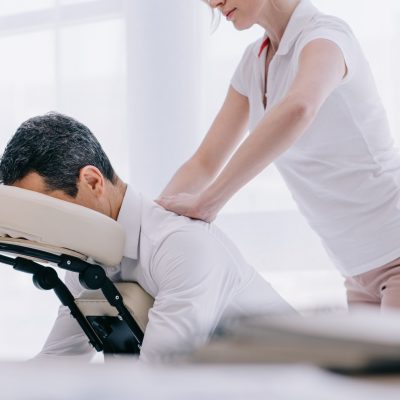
(197, 277)
(195, 273)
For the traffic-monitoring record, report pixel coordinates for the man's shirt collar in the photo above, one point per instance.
(130, 218)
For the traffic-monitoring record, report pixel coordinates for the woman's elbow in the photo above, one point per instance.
(302, 110)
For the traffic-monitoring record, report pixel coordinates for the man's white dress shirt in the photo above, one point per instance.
(195, 273)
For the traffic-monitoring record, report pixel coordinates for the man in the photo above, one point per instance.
(195, 274)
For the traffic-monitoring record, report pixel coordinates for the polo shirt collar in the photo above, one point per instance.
(130, 218)
(303, 13)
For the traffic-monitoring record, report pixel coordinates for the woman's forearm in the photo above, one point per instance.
(191, 177)
(273, 136)
(224, 135)
(321, 69)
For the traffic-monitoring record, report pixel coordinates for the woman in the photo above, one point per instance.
(308, 95)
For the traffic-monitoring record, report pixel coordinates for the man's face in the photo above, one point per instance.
(90, 190)
(36, 183)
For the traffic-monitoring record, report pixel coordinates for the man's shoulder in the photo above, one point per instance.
(189, 237)
(159, 226)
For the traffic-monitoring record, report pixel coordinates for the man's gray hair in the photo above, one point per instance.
(56, 147)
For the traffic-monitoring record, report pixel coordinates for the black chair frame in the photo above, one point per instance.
(111, 335)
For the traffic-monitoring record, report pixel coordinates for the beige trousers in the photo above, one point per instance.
(379, 287)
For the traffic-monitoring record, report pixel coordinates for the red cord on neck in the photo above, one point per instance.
(263, 46)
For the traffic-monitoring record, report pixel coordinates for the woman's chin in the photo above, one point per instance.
(241, 26)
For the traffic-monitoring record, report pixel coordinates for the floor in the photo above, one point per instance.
(125, 380)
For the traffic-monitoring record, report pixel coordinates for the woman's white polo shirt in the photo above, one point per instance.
(344, 172)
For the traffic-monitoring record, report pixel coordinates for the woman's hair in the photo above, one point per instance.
(216, 17)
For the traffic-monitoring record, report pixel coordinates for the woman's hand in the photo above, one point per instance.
(189, 205)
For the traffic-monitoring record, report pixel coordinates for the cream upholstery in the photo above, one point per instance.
(41, 246)
(42, 222)
(136, 300)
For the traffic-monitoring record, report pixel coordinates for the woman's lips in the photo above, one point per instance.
(229, 16)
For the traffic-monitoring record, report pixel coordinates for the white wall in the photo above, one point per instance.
(165, 53)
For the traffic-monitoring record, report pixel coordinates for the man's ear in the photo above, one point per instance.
(91, 179)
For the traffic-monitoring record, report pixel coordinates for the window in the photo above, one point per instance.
(9, 7)
(68, 56)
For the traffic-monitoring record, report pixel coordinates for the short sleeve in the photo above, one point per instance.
(338, 32)
(242, 76)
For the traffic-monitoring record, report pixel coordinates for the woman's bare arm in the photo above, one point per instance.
(321, 69)
(222, 139)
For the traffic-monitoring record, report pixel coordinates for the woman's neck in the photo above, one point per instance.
(274, 18)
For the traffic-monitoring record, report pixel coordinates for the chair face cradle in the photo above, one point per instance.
(111, 324)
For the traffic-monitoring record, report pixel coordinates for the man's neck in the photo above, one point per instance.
(118, 194)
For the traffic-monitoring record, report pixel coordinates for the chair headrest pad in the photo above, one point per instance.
(39, 218)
